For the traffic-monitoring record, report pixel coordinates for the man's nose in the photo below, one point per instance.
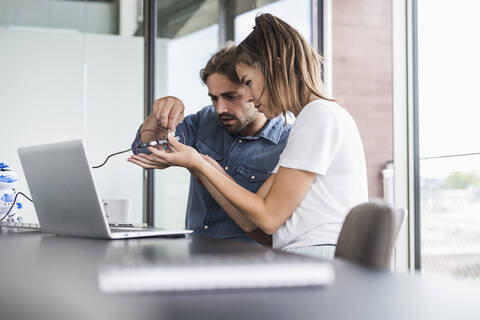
(221, 106)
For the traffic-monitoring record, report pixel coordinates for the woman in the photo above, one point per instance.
(321, 173)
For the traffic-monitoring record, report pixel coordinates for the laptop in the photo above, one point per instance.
(66, 198)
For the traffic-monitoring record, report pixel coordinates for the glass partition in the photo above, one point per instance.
(73, 70)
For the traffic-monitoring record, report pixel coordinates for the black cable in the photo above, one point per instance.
(114, 154)
(13, 204)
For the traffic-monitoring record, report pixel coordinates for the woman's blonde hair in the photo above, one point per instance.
(291, 67)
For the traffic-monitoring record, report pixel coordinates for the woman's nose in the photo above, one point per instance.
(248, 95)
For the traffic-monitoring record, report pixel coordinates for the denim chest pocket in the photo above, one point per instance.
(251, 177)
(204, 148)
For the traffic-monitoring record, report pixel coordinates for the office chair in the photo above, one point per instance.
(369, 234)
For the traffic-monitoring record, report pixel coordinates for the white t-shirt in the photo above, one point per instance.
(324, 139)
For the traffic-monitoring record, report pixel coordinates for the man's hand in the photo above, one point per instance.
(168, 112)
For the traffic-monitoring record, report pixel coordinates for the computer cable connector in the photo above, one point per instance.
(157, 142)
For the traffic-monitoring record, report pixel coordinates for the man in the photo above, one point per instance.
(232, 132)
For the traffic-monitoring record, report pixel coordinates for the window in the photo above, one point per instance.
(449, 151)
(296, 13)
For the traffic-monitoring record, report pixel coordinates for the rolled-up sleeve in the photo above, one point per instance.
(136, 149)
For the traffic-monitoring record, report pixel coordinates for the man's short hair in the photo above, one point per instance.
(221, 62)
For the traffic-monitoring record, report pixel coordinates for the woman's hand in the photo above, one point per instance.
(148, 161)
(177, 154)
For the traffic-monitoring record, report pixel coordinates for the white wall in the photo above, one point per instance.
(57, 86)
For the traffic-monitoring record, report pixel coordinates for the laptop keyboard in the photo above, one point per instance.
(129, 229)
(36, 227)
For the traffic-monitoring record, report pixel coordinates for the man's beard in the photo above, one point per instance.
(242, 124)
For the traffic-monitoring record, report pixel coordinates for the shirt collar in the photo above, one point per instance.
(271, 131)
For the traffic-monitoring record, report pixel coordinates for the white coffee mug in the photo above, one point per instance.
(117, 210)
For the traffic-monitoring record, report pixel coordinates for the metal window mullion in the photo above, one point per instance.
(416, 141)
(321, 37)
(316, 9)
(150, 14)
(226, 21)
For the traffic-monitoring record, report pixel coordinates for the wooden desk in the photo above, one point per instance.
(50, 277)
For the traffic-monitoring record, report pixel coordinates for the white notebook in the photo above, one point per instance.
(211, 272)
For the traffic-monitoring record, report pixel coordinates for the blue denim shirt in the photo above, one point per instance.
(249, 160)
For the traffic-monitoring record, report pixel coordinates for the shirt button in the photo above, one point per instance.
(205, 227)
(240, 141)
(252, 177)
(226, 167)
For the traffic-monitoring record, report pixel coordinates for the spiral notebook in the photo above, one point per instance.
(270, 269)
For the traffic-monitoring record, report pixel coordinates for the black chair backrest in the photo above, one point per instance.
(369, 234)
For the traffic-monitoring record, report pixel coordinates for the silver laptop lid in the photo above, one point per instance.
(63, 190)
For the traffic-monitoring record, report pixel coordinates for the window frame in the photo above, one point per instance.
(405, 132)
